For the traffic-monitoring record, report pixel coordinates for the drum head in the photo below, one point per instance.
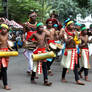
(59, 46)
(52, 46)
(10, 43)
(29, 45)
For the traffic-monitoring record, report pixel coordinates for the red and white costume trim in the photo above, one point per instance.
(38, 65)
(69, 58)
(85, 58)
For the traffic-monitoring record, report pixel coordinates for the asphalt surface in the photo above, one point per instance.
(19, 81)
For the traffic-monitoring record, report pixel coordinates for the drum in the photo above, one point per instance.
(10, 43)
(8, 53)
(59, 46)
(29, 45)
(52, 46)
(42, 56)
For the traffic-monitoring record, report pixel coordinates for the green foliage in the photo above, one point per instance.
(65, 8)
(83, 3)
(19, 9)
(45, 10)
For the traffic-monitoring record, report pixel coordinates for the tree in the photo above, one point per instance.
(45, 9)
(19, 9)
(65, 8)
(83, 3)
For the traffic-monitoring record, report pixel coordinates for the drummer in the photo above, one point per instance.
(4, 60)
(30, 28)
(40, 37)
(50, 31)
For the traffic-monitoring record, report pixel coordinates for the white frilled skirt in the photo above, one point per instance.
(84, 62)
(69, 58)
(90, 46)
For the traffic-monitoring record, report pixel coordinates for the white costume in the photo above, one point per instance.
(69, 60)
(90, 46)
(85, 58)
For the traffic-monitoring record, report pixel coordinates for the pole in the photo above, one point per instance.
(5, 7)
(7, 10)
(42, 10)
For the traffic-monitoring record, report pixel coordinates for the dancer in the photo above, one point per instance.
(84, 53)
(69, 59)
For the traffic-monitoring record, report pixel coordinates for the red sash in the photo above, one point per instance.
(29, 34)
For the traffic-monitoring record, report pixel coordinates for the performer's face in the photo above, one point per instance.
(78, 28)
(50, 23)
(85, 32)
(41, 28)
(71, 26)
(4, 31)
(52, 16)
(34, 17)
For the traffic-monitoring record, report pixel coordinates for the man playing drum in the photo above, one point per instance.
(40, 37)
(30, 28)
(50, 31)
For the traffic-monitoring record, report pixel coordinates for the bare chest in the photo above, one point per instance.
(3, 38)
(40, 37)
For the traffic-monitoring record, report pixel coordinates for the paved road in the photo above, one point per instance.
(19, 81)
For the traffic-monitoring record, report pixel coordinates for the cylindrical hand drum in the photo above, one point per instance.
(29, 45)
(42, 56)
(10, 43)
(8, 53)
(59, 46)
(52, 46)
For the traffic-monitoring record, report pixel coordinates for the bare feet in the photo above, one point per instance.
(7, 88)
(47, 83)
(86, 79)
(64, 80)
(79, 82)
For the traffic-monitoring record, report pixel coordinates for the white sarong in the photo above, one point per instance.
(69, 60)
(85, 58)
(90, 46)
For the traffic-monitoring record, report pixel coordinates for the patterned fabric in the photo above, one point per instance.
(29, 34)
(69, 58)
(39, 67)
(85, 58)
(39, 64)
(4, 60)
(51, 41)
(39, 50)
